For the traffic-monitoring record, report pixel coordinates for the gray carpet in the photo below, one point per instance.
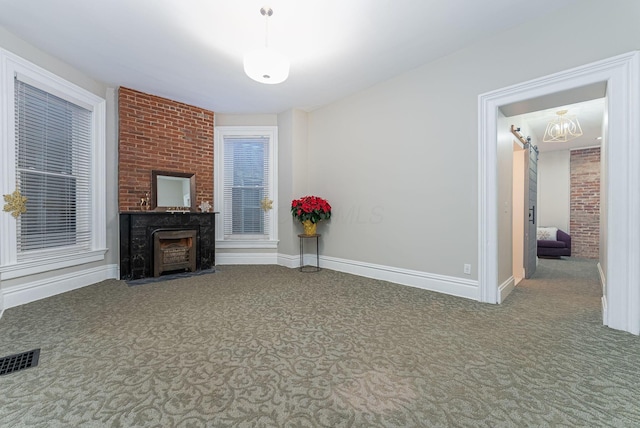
(268, 346)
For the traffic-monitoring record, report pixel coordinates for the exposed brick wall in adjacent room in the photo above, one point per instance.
(585, 203)
(159, 134)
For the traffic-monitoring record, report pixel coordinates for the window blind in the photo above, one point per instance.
(246, 183)
(53, 171)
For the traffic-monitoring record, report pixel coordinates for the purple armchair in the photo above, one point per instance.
(561, 247)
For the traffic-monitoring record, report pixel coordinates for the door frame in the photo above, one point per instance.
(619, 267)
(519, 218)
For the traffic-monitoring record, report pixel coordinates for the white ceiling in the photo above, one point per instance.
(191, 50)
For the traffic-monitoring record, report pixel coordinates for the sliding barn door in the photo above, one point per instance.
(530, 238)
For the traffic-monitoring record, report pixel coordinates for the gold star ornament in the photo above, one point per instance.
(16, 204)
(266, 204)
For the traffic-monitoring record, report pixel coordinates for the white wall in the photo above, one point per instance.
(399, 161)
(554, 194)
(222, 119)
(292, 178)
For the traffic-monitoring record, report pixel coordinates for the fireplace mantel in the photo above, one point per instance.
(136, 239)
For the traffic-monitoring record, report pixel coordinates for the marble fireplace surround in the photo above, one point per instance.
(137, 236)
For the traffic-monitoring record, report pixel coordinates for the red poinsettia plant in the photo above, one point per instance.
(311, 208)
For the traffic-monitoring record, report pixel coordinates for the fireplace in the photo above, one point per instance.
(137, 241)
(174, 250)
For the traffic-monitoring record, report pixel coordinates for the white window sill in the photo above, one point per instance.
(262, 243)
(33, 267)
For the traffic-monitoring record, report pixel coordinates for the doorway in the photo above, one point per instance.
(568, 179)
(620, 206)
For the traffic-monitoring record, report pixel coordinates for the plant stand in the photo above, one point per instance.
(309, 268)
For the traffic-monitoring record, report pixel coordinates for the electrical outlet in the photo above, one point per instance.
(467, 269)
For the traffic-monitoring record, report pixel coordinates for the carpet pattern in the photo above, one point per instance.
(268, 346)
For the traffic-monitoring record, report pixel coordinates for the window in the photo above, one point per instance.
(53, 146)
(245, 186)
(52, 152)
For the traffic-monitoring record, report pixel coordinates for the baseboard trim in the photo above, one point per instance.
(603, 284)
(603, 280)
(40, 289)
(440, 283)
(289, 261)
(506, 288)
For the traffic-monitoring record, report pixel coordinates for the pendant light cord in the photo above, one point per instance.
(266, 13)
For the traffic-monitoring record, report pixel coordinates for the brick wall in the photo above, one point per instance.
(585, 203)
(157, 133)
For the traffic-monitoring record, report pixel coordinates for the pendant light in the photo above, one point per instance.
(266, 65)
(562, 128)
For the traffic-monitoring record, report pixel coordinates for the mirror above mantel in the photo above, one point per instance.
(173, 191)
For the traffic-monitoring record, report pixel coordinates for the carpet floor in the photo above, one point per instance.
(267, 346)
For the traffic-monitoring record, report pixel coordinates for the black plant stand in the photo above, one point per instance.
(310, 268)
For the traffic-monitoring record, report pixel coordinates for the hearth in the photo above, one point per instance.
(174, 250)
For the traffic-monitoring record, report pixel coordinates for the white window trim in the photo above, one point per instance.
(10, 65)
(220, 132)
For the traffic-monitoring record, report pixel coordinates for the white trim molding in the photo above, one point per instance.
(290, 261)
(52, 285)
(427, 281)
(10, 265)
(32, 267)
(506, 288)
(247, 244)
(603, 284)
(270, 239)
(622, 270)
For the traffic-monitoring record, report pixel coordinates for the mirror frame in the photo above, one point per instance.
(154, 188)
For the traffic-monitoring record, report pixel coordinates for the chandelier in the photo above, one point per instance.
(562, 128)
(266, 65)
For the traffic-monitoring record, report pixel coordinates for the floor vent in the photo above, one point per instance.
(17, 362)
